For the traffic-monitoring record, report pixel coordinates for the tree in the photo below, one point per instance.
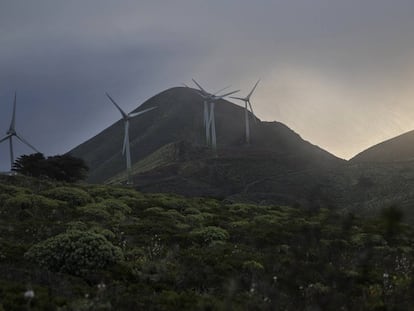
(66, 167)
(30, 165)
(60, 167)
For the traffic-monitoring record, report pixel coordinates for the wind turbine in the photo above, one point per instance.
(126, 148)
(209, 116)
(12, 132)
(246, 110)
(206, 96)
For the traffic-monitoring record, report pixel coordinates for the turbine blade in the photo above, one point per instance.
(126, 136)
(221, 90)
(124, 115)
(224, 95)
(185, 85)
(202, 94)
(13, 120)
(26, 143)
(251, 109)
(134, 114)
(4, 138)
(251, 92)
(200, 87)
(239, 98)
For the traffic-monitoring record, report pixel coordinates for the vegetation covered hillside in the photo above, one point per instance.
(179, 118)
(84, 247)
(396, 149)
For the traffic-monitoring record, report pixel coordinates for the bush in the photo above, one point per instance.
(113, 206)
(73, 196)
(94, 212)
(75, 252)
(109, 192)
(106, 210)
(12, 190)
(35, 205)
(209, 235)
(168, 201)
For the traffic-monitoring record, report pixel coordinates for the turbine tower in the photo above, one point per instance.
(126, 148)
(209, 116)
(12, 132)
(247, 104)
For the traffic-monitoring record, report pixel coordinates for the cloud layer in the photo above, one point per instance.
(337, 72)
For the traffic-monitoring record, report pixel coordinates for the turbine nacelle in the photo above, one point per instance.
(247, 98)
(212, 96)
(127, 116)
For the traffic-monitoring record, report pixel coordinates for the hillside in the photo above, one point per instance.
(169, 153)
(400, 148)
(279, 167)
(93, 247)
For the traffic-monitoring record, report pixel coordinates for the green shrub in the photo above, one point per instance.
(173, 215)
(30, 205)
(110, 192)
(94, 212)
(75, 252)
(81, 226)
(168, 201)
(253, 266)
(108, 234)
(209, 235)
(154, 211)
(110, 209)
(245, 210)
(132, 202)
(18, 202)
(73, 196)
(77, 225)
(191, 211)
(194, 220)
(12, 190)
(113, 205)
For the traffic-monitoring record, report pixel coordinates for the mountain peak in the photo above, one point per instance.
(179, 117)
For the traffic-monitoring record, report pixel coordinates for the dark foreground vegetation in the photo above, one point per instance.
(84, 247)
(59, 167)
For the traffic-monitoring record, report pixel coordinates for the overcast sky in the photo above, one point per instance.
(338, 72)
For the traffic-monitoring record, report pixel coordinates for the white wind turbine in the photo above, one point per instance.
(209, 117)
(126, 148)
(12, 132)
(247, 103)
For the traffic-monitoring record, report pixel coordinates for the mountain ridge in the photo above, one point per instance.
(398, 148)
(178, 117)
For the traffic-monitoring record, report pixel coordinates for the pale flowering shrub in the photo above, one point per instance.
(75, 252)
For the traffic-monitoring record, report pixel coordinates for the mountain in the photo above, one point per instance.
(169, 154)
(400, 148)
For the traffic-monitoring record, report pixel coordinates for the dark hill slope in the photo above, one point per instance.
(400, 148)
(179, 118)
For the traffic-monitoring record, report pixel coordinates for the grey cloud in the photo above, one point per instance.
(62, 55)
